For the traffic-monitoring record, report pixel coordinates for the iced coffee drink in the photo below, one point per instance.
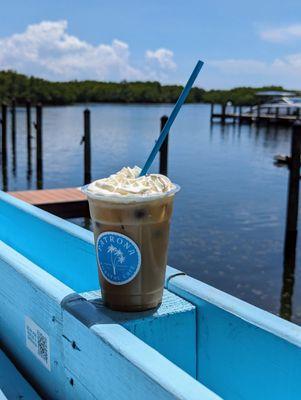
(131, 217)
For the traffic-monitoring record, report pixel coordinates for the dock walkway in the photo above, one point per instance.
(258, 114)
(65, 203)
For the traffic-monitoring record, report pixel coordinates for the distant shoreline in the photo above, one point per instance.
(23, 88)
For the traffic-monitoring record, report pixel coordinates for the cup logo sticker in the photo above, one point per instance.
(118, 256)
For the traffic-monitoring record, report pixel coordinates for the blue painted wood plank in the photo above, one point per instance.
(108, 362)
(13, 386)
(63, 249)
(169, 329)
(28, 291)
(243, 352)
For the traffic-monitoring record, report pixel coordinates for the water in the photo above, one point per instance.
(229, 218)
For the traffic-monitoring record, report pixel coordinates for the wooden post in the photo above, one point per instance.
(293, 190)
(258, 113)
(4, 145)
(288, 111)
(13, 123)
(163, 165)
(39, 146)
(87, 147)
(234, 114)
(211, 112)
(298, 113)
(240, 114)
(28, 126)
(223, 116)
(277, 114)
(291, 223)
(13, 133)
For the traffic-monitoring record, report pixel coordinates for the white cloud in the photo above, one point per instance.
(47, 50)
(163, 57)
(283, 34)
(288, 64)
(284, 71)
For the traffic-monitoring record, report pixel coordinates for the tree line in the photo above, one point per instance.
(22, 88)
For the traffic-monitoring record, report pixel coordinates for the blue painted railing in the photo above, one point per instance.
(243, 352)
(236, 350)
(12, 383)
(45, 264)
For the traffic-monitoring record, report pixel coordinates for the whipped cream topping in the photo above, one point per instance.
(128, 183)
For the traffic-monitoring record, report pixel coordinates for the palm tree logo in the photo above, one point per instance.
(116, 257)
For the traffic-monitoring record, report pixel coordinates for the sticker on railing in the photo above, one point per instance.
(37, 341)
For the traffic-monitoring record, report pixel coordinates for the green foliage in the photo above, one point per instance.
(238, 96)
(22, 87)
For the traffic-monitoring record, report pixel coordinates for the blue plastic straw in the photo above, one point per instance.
(172, 117)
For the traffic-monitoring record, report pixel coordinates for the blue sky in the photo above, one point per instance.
(242, 42)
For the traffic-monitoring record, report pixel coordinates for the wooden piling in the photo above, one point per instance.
(13, 122)
(13, 134)
(223, 115)
(211, 112)
(298, 113)
(291, 231)
(277, 113)
(28, 128)
(258, 113)
(240, 114)
(293, 190)
(163, 164)
(234, 114)
(4, 145)
(39, 146)
(87, 147)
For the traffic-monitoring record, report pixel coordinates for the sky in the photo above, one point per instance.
(243, 43)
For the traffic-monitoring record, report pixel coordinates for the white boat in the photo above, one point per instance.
(286, 102)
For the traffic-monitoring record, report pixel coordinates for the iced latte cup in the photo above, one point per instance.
(131, 217)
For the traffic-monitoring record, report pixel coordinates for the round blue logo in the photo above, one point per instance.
(118, 257)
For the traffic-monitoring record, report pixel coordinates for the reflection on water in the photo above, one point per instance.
(229, 219)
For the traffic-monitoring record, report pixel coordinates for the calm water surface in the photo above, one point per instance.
(229, 218)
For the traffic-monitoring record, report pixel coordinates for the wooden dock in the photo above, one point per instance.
(257, 114)
(65, 203)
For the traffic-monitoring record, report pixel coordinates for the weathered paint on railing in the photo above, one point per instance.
(85, 362)
(169, 329)
(12, 383)
(28, 291)
(123, 367)
(243, 351)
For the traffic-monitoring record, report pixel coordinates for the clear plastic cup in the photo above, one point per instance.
(131, 239)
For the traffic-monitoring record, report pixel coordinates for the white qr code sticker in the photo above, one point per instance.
(37, 341)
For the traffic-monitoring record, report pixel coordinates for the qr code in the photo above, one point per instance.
(42, 346)
(37, 341)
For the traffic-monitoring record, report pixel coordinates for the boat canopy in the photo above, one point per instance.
(275, 93)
